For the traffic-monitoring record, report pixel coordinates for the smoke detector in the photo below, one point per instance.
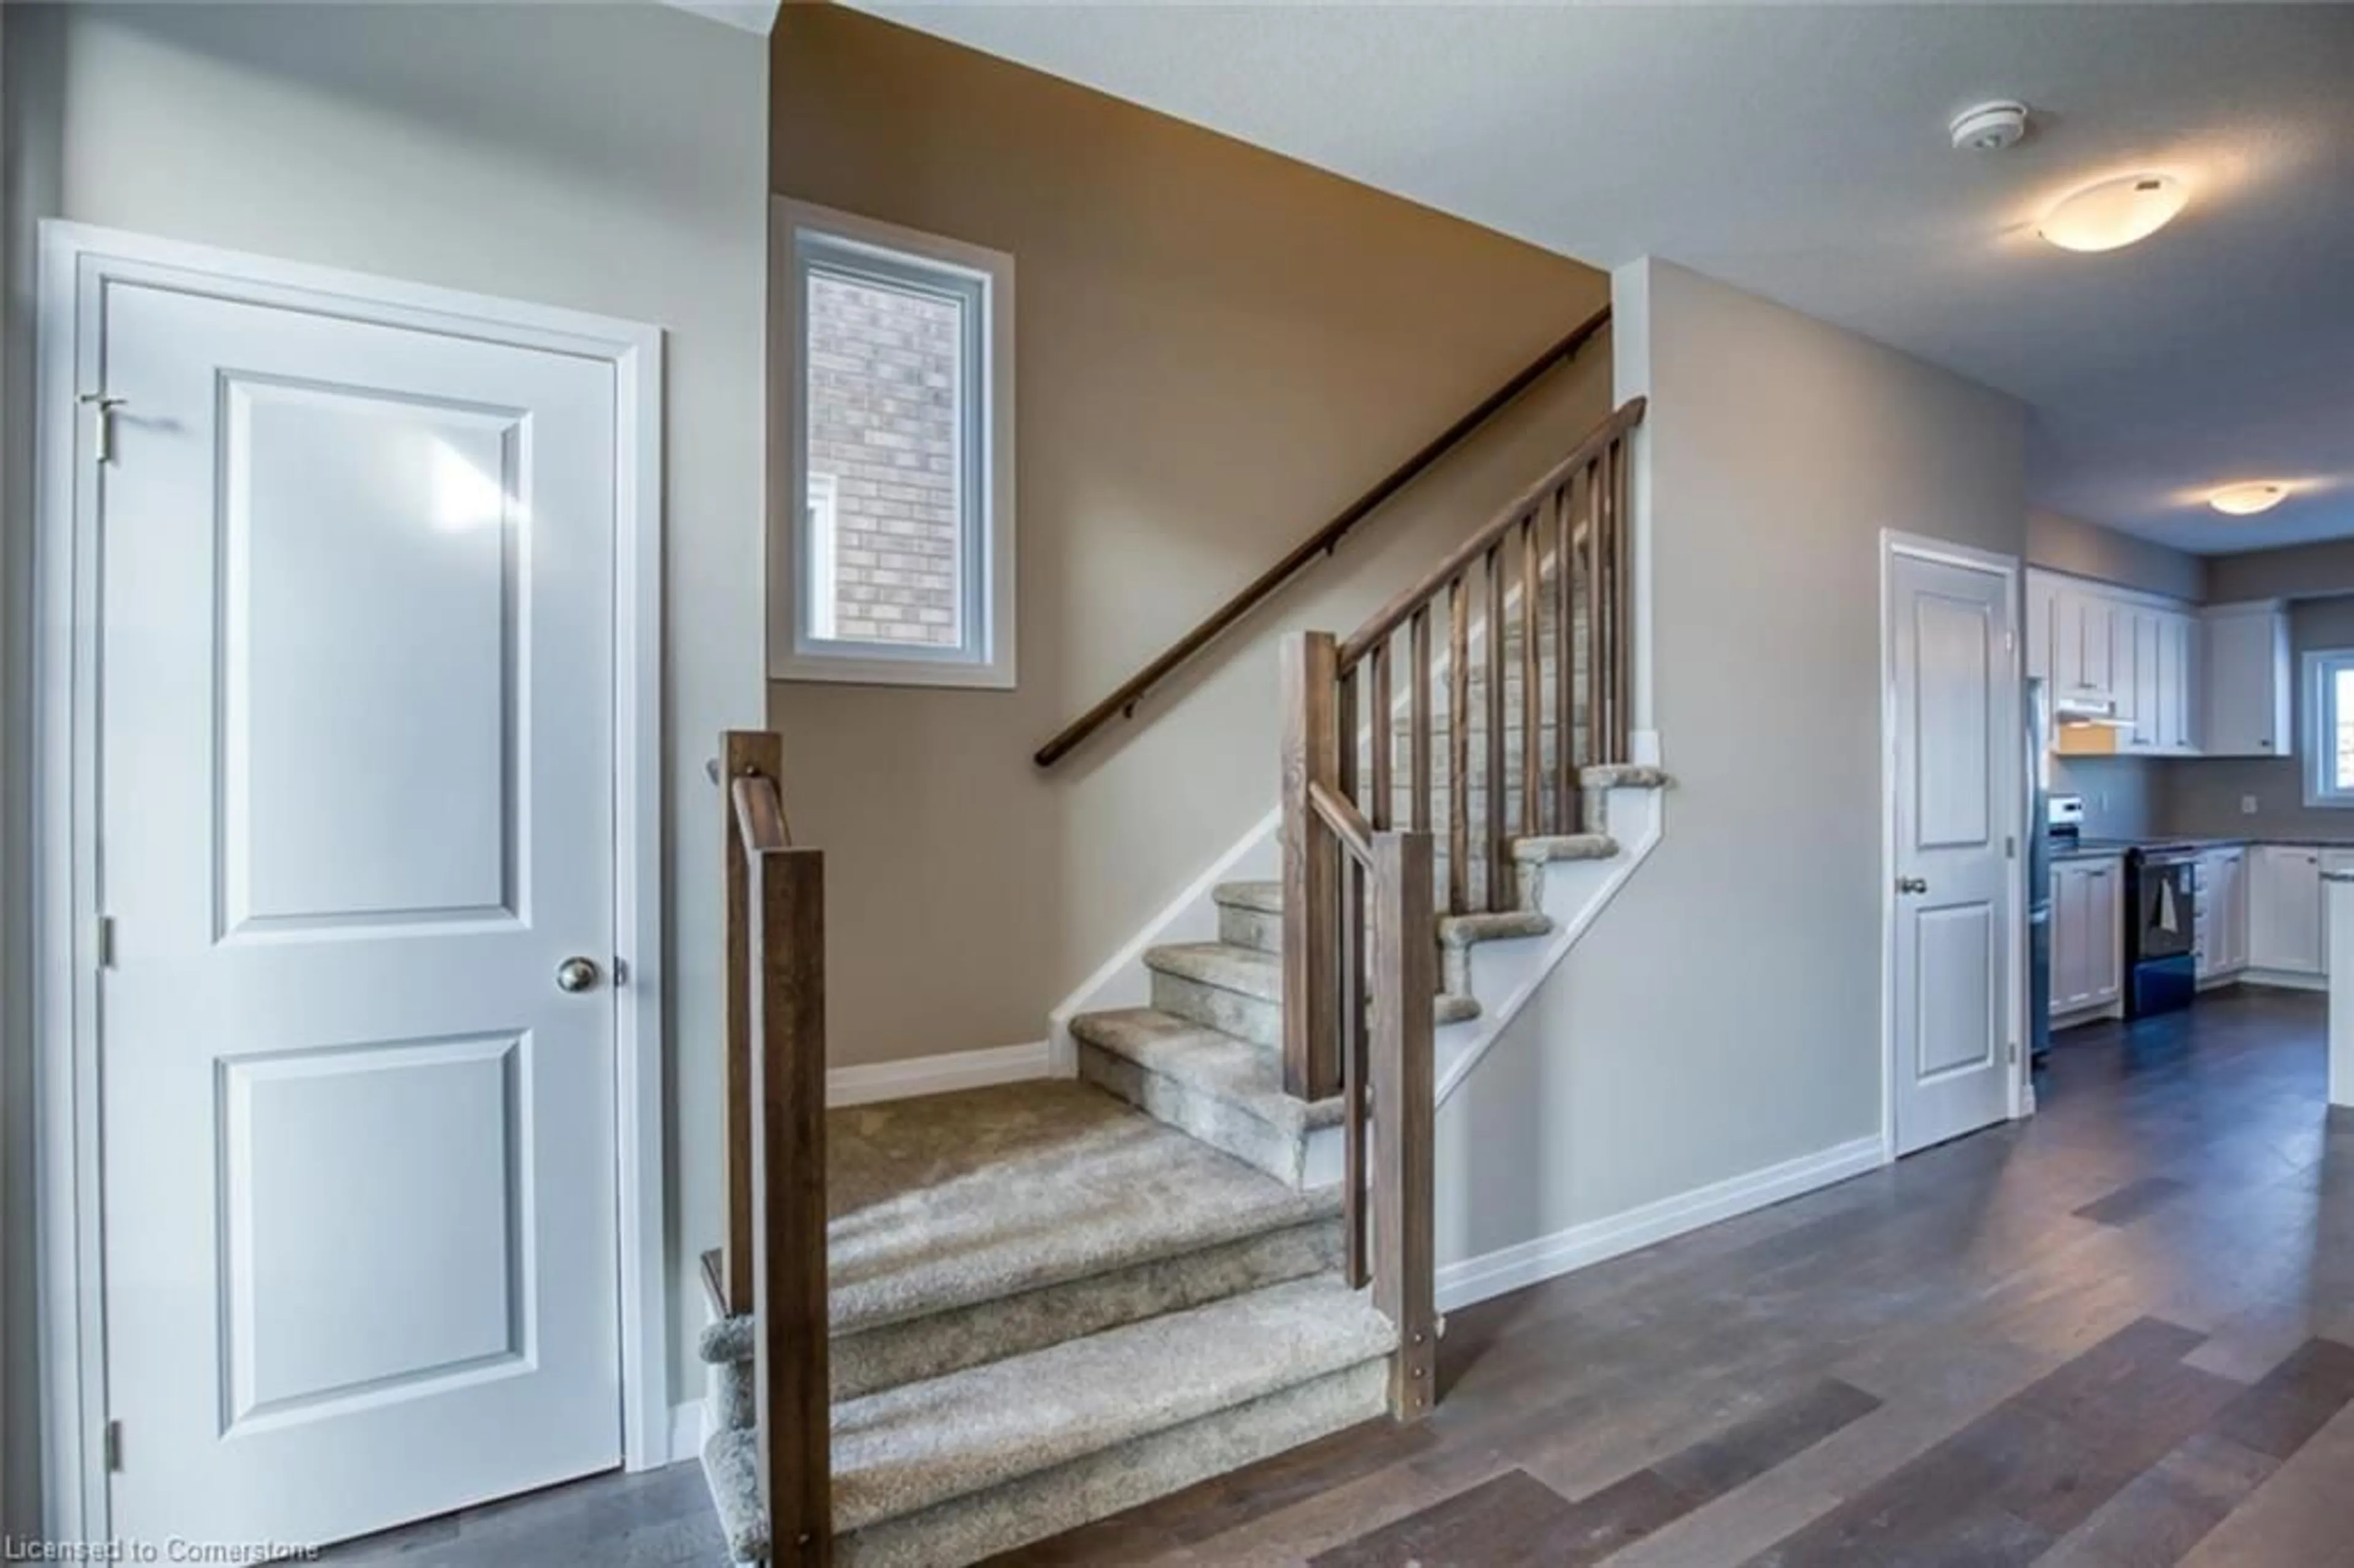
(1990, 127)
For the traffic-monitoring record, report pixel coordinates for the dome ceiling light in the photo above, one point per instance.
(2247, 500)
(2115, 213)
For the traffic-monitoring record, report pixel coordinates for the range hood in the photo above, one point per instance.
(2088, 713)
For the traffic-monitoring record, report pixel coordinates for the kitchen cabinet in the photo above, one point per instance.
(2248, 680)
(2087, 934)
(2140, 655)
(2285, 930)
(2071, 639)
(2222, 917)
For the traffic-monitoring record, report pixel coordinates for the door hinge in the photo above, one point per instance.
(113, 1448)
(2009, 847)
(102, 941)
(2014, 1052)
(103, 406)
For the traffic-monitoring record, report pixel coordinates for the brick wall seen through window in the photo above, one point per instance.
(884, 372)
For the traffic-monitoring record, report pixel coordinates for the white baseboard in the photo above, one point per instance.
(2283, 980)
(937, 1075)
(686, 1432)
(1509, 1269)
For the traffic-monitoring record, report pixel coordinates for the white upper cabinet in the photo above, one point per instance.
(2138, 652)
(2249, 675)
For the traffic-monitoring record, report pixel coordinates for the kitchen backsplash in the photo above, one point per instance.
(2122, 794)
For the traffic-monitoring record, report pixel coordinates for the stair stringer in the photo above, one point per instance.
(1504, 974)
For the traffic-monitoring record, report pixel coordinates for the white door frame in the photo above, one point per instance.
(1892, 544)
(76, 261)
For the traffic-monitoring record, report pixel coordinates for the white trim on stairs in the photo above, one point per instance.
(1191, 916)
(937, 1075)
(1528, 1263)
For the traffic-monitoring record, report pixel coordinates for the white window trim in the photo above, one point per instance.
(2320, 745)
(824, 536)
(792, 656)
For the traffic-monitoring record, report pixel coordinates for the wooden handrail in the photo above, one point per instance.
(761, 814)
(1347, 823)
(1124, 697)
(1393, 615)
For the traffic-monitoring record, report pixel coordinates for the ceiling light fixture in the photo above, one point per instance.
(2115, 213)
(2247, 500)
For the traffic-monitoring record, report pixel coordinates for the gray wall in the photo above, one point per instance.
(2296, 572)
(2087, 549)
(2204, 796)
(605, 158)
(2125, 797)
(1724, 1014)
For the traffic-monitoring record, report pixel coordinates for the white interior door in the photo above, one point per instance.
(356, 762)
(1958, 780)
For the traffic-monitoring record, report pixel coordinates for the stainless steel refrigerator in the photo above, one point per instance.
(2038, 860)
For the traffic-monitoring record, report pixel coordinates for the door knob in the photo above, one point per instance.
(1911, 884)
(576, 975)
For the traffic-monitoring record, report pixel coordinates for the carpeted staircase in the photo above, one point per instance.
(1055, 1300)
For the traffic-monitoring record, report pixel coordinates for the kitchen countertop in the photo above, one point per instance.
(2109, 849)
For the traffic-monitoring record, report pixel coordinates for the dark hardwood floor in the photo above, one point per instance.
(2117, 1335)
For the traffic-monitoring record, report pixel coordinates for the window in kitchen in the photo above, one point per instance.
(2329, 732)
(895, 394)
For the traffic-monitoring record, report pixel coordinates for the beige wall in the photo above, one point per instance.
(1723, 1014)
(2087, 549)
(1217, 349)
(605, 158)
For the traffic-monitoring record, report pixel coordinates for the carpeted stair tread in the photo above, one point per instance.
(948, 1200)
(1450, 1006)
(1244, 970)
(953, 1469)
(1263, 897)
(1463, 931)
(1565, 846)
(910, 1448)
(1623, 776)
(1246, 1076)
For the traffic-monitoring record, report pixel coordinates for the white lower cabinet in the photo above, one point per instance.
(2222, 923)
(2087, 934)
(2285, 911)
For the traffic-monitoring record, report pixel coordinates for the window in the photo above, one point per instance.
(2329, 728)
(897, 566)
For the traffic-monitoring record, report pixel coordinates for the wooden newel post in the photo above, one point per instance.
(1311, 932)
(791, 1386)
(1405, 962)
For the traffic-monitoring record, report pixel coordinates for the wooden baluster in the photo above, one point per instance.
(1351, 1003)
(1385, 733)
(1568, 804)
(1500, 855)
(1458, 746)
(743, 754)
(1311, 753)
(1532, 681)
(1596, 642)
(1621, 594)
(1418, 729)
(792, 1399)
(1402, 1070)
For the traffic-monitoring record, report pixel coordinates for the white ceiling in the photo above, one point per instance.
(1799, 152)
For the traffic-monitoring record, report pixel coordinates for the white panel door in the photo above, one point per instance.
(1958, 779)
(356, 808)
